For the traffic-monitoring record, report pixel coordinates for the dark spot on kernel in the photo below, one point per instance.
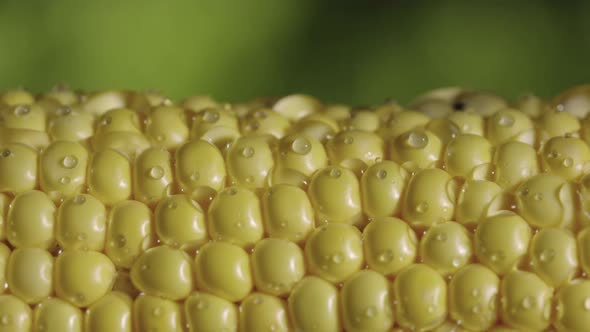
(459, 106)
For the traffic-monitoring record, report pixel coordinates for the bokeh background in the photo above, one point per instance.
(357, 52)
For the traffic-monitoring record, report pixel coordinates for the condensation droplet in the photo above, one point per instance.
(441, 237)
(301, 146)
(335, 173)
(587, 304)
(64, 110)
(248, 152)
(82, 236)
(80, 297)
(337, 258)
(157, 311)
(194, 176)
(422, 207)
(144, 267)
(5, 319)
(567, 162)
(211, 116)
(172, 205)
(202, 304)
(232, 191)
(553, 154)
(6, 153)
(107, 121)
(69, 161)
(456, 262)
(506, 120)
(258, 300)
(538, 196)
(430, 309)
(476, 309)
(283, 224)
(348, 140)
(546, 255)
(156, 172)
(79, 199)
(249, 179)
(385, 256)
(64, 180)
(121, 241)
(474, 292)
(417, 140)
(22, 110)
(239, 224)
(381, 174)
(370, 312)
(527, 302)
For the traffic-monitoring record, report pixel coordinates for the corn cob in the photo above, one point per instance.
(123, 211)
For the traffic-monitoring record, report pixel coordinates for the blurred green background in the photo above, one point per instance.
(357, 52)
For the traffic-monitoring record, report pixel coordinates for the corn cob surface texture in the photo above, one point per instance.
(462, 211)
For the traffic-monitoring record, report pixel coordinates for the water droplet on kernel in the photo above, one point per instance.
(144, 267)
(172, 205)
(553, 154)
(370, 311)
(202, 304)
(82, 236)
(381, 174)
(506, 120)
(64, 180)
(194, 176)
(157, 311)
(417, 140)
(587, 304)
(476, 309)
(337, 258)
(6, 153)
(335, 173)
(248, 152)
(156, 172)
(5, 319)
(527, 302)
(430, 309)
(69, 161)
(22, 110)
(441, 237)
(107, 121)
(456, 262)
(385, 256)
(258, 300)
(301, 145)
(232, 191)
(79, 199)
(121, 241)
(249, 179)
(538, 196)
(422, 207)
(547, 255)
(475, 292)
(567, 162)
(239, 224)
(211, 116)
(283, 224)
(348, 140)
(80, 297)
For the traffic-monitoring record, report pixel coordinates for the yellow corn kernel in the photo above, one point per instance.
(336, 112)
(216, 126)
(29, 274)
(334, 193)
(151, 313)
(265, 122)
(100, 102)
(206, 312)
(301, 153)
(582, 190)
(277, 265)
(165, 272)
(200, 168)
(466, 152)
(573, 303)
(180, 222)
(16, 315)
(510, 125)
(334, 252)
(127, 143)
(477, 198)
(4, 206)
(288, 213)
(223, 269)
(444, 129)
(297, 106)
(364, 120)
(553, 255)
(402, 122)
(355, 149)
(83, 277)
(314, 306)
(366, 302)
(31, 221)
(18, 168)
(261, 312)
(235, 216)
(81, 223)
(568, 157)
(152, 175)
(483, 103)
(416, 149)
(557, 123)
(468, 122)
(501, 241)
(420, 298)
(389, 245)
(319, 126)
(583, 244)
(249, 162)
(31, 117)
(109, 176)
(514, 163)
(4, 256)
(546, 200)
(473, 297)
(166, 127)
(525, 301)
(446, 247)
(129, 232)
(112, 313)
(382, 186)
(63, 169)
(199, 103)
(429, 198)
(57, 315)
(118, 120)
(17, 96)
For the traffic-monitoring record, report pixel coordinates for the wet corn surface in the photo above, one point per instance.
(125, 211)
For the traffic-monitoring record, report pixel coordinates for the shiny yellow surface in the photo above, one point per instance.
(553, 256)
(29, 274)
(83, 277)
(81, 223)
(465, 152)
(180, 222)
(313, 306)
(568, 157)
(209, 313)
(18, 168)
(112, 313)
(151, 313)
(510, 125)
(152, 174)
(249, 162)
(265, 122)
(109, 176)
(163, 271)
(287, 213)
(57, 315)
(382, 186)
(166, 127)
(573, 306)
(4, 256)
(16, 315)
(334, 252)
(389, 245)
(261, 312)
(31, 221)
(416, 149)
(476, 199)
(355, 149)
(199, 167)
(277, 265)
(515, 162)
(223, 269)
(63, 169)
(446, 247)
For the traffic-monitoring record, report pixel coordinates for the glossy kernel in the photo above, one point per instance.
(334, 193)
(71, 125)
(235, 216)
(568, 157)
(152, 175)
(209, 313)
(129, 144)
(265, 122)
(118, 120)
(514, 163)
(166, 127)
(288, 213)
(355, 149)
(525, 301)
(583, 244)
(217, 126)
(151, 313)
(573, 307)
(296, 106)
(223, 269)
(430, 198)
(501, 241)
(366, 302)
(557, 123)
(402, 122)
(57, 315)
(476, 199)
(465, 152)
(260, 312)
(334, 252)
(83, 277)
(314, 306)
(31, 221)
(277, 265)
(553, 254)
(112, 313)
(446, 247)
(18, 168)
(468, 122)
(165, 272)
(420, 298)
(416, 149)
(63, 169)
(389, 245)
(200, 168)
(109, 176)
(249, 162)
(180, 222)
(510, 125)
(473, 297)
(382, 187)
(4, 256)
(16, 315)
(129, 232)
(20, 116)
(30, 274)
(81, 223)
(302, 154)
